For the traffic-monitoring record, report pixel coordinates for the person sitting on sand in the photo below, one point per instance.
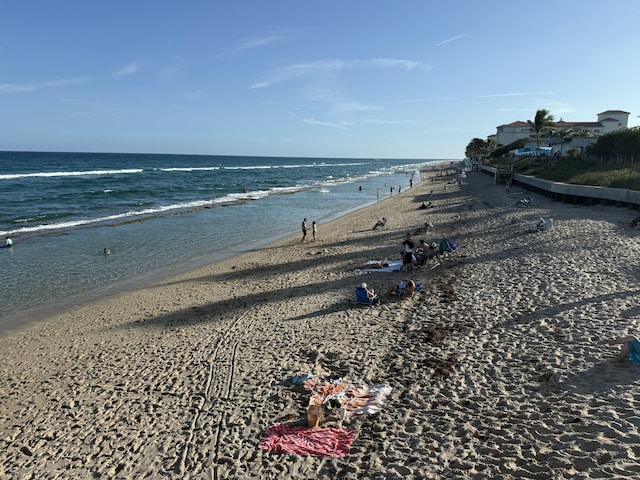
(403, 289)
(423, 229)
(630, 348)
(373, 266)
(380, 223)
(371, 294)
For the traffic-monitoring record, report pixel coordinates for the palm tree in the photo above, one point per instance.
(542, 120)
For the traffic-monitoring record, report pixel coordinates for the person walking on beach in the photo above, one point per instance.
(304, 231)
(314, 230)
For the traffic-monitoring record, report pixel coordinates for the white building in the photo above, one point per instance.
(607, 122)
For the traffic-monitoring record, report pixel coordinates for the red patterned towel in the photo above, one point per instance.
(319, 442)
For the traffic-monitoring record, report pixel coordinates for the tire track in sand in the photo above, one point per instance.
(221, 366)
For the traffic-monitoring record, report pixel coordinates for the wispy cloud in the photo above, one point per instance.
(337, 101)
(449, 40)
(172, 68)
(255, 42)
(31, 87)
(129, 69)
(339, 125)
(273, 36)
(331, 67)
(517, 94)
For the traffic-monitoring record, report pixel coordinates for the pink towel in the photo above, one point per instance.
(319, 442)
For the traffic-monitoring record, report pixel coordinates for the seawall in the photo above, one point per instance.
(575, 194)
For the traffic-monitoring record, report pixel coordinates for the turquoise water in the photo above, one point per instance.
(159, 214)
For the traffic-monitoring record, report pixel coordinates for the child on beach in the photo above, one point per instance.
(630, 348)
(314, 230)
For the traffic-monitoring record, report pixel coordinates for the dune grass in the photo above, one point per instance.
(589, 172)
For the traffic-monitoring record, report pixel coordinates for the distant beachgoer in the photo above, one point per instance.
(403, 289)
(373, 266)
(407, 258)
(304, 231)
(107, 251)
(314, 230)
(8, 242)
(630, 348)
(380, 223)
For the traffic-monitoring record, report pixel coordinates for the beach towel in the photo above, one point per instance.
(318, 442)
(353, 399)
(392, 266)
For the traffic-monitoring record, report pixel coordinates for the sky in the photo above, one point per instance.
(347, 79)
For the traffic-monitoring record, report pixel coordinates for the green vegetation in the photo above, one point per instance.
(588, 172)
(612, 161)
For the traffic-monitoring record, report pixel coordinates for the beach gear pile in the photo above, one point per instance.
(326, 396)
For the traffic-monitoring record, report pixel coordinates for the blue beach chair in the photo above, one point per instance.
(362, 296)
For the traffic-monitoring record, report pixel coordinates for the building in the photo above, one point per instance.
(583, 133)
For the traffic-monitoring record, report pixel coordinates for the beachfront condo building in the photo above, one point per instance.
(567, 134)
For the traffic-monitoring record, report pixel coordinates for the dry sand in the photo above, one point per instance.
(495, 366)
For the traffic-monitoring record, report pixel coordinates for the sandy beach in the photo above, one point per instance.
(495, 366)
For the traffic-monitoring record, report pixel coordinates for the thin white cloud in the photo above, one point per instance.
(274, 35)
(31, 87)
(350, 106)
(337, 101)
(330, 67)
(340, 125)
(172, 68)
(449, 40)
(255, 42)
(518, 94)
(129, 69)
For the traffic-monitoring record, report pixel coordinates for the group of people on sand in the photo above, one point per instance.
(416, 256)
(404, 289)
(314, 230)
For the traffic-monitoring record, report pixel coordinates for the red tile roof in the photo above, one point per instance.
(613, 111)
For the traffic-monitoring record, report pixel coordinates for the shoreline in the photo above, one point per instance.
(25, 318)
(494, 366)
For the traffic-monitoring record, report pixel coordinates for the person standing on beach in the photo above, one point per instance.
(304, 231)
(314, 230)
(407, 259)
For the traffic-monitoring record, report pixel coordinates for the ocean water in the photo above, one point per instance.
(159, 214)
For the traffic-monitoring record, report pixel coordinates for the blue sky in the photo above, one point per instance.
(394, 79)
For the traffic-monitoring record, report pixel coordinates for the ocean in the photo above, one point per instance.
(159, 215)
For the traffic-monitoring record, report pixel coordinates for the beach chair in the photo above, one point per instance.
(447, 247)
(362, 297)
(401, 292)
(426, 253)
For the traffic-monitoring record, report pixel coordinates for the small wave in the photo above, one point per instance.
(188, 169)
(13, 176)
